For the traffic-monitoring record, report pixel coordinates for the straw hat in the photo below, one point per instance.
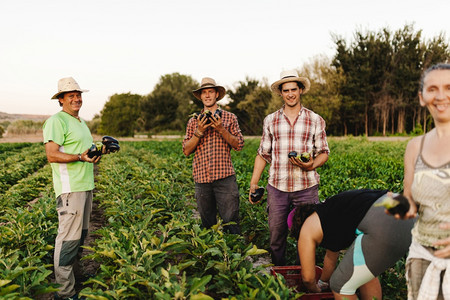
(67, 84)
(209, 83)
(290, 76)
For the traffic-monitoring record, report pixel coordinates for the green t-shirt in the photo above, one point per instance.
(73, 137)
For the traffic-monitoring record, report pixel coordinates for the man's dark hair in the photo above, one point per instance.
(302, 212)
(61, 96)
(439, 66)
(299, 84)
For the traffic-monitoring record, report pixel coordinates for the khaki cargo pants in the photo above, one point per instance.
(74, 211)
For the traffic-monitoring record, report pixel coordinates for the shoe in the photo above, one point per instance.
(74, 297)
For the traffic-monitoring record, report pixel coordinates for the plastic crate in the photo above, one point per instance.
(293, 277)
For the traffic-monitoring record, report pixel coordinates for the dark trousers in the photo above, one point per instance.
(279, 204)
(220, 196)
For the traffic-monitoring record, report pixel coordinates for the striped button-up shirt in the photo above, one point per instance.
(306, 134)
(212, 159)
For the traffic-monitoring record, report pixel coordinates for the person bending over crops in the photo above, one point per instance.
(291, 130)
(67, 140)
(349, 220)
(427, 185)
(211, 135)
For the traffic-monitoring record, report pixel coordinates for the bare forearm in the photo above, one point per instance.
(232, 140)
(61, 157)
(260, 164)
(329, 264)
(191, 145)
(320, 160)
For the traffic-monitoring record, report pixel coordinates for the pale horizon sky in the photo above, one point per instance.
(118, 47)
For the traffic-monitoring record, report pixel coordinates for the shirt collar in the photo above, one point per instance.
(299, 113)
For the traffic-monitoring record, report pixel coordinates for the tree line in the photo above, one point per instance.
(369, 87)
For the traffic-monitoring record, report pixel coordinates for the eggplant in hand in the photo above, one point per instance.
(395, 205)
(257, 195)
(111, 144)
(208, 114)
(304, 157)
(95, 150)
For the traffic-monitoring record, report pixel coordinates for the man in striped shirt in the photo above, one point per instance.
(212, 138)
(291, 181)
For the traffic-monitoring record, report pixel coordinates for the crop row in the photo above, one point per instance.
(20, 165)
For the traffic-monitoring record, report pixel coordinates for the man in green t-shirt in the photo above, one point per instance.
(67, 140)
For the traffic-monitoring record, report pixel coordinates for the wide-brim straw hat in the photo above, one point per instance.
(290, 76)
(67, 84)
(208, 83)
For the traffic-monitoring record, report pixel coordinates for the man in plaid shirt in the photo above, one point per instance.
(212, 138)
(291, 181)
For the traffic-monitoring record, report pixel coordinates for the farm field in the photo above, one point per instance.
(147, 242)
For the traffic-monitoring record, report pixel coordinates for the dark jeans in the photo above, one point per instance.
(279, 204)
(220, 196)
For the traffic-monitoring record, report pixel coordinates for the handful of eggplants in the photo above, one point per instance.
(208, 114)
(304, 157)
(110, 143)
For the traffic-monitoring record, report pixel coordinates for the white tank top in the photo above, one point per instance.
(431, 190)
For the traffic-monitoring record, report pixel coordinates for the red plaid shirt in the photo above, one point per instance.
(279, 137)
(212, 159)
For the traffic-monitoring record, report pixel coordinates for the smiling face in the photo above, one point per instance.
(435, 94)
(209, 97)
(71, 102)
(291, 93)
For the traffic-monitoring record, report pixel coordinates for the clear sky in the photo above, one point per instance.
(111, 46)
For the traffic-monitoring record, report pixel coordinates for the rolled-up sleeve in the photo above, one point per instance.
(236, 131)
(320, 141)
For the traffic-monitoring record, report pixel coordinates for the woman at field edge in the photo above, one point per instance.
(427, 185)
(349, 219)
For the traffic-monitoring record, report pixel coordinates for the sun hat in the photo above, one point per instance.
(290, 76)
(209, 83)
(67, 84)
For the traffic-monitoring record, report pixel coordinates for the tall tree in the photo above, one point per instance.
(119, 115)
(171, 102)
(238, 95)
(407, 61)
(255, 105)
(323, 97)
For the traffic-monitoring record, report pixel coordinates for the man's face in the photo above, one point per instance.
(291, 93)
(71, 102)
(209, 97)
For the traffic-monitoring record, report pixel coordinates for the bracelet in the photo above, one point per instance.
(79, 157)
(198, 134)
(323, 285)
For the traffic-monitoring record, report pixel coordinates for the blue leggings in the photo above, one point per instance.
(381, 241)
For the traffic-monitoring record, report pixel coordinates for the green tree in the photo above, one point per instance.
(237, 96)
(365, 64)
(323, 97)
(119, 115)
(380, 75)
(255, 105)
(407, 61)
(171, 102)
(94, 124)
